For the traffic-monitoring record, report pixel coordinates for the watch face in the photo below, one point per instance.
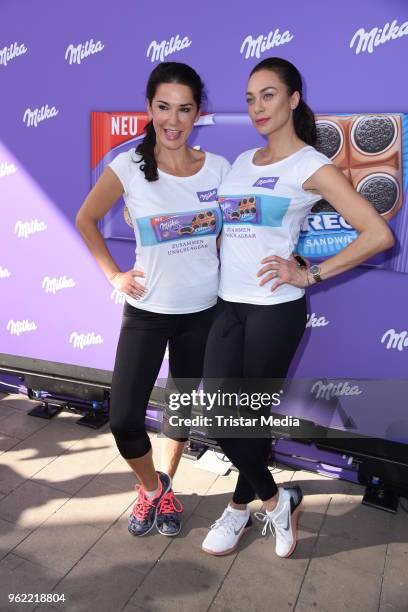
(314, 269)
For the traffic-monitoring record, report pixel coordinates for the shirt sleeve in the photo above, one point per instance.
(310, 164)
(122, 168)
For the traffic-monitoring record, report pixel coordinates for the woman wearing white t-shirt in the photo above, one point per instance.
(170, 192)
(261, 314)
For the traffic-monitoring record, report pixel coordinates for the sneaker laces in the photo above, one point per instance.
(142, 505)
(267, 519)
(170, 504)
(226, 523)
(271, 522)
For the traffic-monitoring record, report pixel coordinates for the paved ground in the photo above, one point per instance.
(65, 494)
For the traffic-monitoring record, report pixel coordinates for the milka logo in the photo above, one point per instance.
(75, 54)
(52, 285)
(6, 168)
(82, 340)
(33, 117)
(118, 296)
(168, 225)
(166, 47)
(253, 47)
(329, 390)
(395, 340)
(366, 41)
(4, 273)
(266, 181)
(314, 321)
(18, 327)
(207, 196)
(9, 53)
(24, 229)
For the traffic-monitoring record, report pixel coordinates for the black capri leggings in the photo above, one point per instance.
(139, 355)
(252, 342)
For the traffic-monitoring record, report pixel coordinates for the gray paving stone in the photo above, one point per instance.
(31, 504)
(10, 536)
(394, 592)
(18, 575)
(95, 584)
(347, 517)
(79, 463)
(7, 442)
(184, 578)
(21, 425)
(332, 585)
(351, 553)
(135, 553)
(57, 544)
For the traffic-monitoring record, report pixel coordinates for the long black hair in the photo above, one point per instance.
(303, 117)
(166, 72)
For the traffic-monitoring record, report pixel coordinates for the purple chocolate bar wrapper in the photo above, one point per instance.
(175, 227)
(241, 209)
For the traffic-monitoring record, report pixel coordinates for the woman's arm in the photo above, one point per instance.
(374, 233)
(99, 201)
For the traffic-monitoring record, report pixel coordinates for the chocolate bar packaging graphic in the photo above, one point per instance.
(176, 226)
(368, 150)
(245, 209)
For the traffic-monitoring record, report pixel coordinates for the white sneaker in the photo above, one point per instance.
(282, 521)
(226, 532)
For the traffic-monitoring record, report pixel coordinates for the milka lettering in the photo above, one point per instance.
(367, 41)
(82, 340)
(75, 54)
(330, 390)
(4, 273)
(24, 229)
(164, 48)
(9, 53)
(207, 196)
(314, 321)
(6, 169)
(395, 340)
(33, 117)
(254, 47)
(118, 297)
(52, 285)
(268, 182)
(15, 328)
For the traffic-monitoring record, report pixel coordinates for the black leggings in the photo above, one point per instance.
(139, 355)
(252, 342)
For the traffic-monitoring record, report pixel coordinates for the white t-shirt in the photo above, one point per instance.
(176, 222)
(263, 208)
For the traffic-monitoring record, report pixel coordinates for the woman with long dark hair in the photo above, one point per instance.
(261, 313)
(172, 289)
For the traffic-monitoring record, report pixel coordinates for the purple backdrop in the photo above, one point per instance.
(82, 57)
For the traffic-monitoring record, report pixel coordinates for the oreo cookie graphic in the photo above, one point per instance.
(374, 134)
(127, 217)
(381, 189)
(322, 206)
(329, 138)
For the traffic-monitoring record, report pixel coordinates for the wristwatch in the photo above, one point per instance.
(315, 272)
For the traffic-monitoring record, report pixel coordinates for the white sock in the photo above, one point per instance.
(151, 494)
(231, 509)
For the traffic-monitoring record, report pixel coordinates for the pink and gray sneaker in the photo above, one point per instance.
(144, 514)
(169, 511)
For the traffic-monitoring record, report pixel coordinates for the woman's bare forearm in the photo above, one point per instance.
(97, 246)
